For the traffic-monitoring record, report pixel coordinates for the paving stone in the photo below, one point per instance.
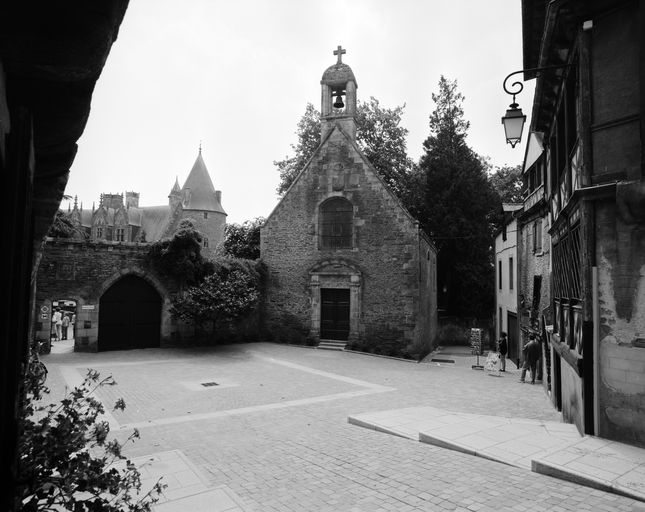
(305, 456)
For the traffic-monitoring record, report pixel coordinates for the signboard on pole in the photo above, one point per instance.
(476, 346)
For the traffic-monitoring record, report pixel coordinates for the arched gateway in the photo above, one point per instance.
(129, 315)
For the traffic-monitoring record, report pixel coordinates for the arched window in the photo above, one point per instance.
(335, 224)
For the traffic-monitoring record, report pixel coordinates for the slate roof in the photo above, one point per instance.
(198, 189)
(154, 221)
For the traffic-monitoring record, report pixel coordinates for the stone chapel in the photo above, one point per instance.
(346, 261)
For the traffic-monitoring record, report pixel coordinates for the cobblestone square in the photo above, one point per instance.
(278, 436)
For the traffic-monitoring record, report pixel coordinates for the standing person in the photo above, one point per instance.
(57, 322)
(72, 323)
(65, 326)
(502, 348)
(531, 353)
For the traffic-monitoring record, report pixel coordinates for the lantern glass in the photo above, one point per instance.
(513, 123)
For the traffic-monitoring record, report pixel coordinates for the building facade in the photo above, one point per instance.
(116, 220)
(345, 260)
(100, 277)
(506, 281)
(588, 110)
(534, 255)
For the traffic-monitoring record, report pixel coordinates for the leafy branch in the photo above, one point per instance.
(65, 456)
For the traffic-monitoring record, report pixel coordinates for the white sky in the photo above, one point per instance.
(237, 75)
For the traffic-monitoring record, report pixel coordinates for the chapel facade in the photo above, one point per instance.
(346, 261)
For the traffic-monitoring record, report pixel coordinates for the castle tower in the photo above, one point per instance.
(338, 98)
(202, 203)
(174, 198)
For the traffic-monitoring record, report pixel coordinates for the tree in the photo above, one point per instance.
(380, 137)
(63, 227)
(229, 293)
(507, 182)
(65, 459)
(308, 141)
(458, 209)
(243, 240)
(180, 257)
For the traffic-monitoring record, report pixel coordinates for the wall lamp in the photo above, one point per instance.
(514, 119)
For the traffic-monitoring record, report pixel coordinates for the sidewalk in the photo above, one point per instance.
(187, 488)
(550, 448)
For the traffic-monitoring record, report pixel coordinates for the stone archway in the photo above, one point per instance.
(129, 315)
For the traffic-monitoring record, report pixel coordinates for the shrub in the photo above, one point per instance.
(230, 293)
(65, 460)
(452, 334)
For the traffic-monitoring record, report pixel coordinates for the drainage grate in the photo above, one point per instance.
(209, 384)
(442, 360)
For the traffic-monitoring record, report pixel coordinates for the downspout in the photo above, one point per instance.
(596, 350)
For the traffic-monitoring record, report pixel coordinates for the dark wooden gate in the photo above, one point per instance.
(334, 314)
(129, 315)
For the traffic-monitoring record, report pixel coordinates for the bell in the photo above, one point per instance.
(339, 102)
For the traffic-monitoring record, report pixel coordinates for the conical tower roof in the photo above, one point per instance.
(202, 193)
(176, 189)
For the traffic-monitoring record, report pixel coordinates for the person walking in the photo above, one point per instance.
(65, 326)
(57, 322)
(502, 349)
(531, 353)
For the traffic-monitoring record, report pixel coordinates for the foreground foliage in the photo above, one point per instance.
(65, 459)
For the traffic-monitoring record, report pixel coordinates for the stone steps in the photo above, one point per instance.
(332, 344)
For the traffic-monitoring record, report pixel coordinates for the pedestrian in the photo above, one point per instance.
(72, 323)
(57, 322)
(65, 326)
(502, 349)
(531, 353)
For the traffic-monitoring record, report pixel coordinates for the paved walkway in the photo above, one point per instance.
(187, 489)
(263, 428)
(550, 448)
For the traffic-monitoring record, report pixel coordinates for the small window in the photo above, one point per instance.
(99, 232)
(499, 274)
(336, 224)
(206, 215)
(205, 242)
(510, 273)
(120, 235)
(537, 236)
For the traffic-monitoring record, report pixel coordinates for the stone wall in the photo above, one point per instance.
(211, 227)
(621, 282)
(382, 267)
(82, 272)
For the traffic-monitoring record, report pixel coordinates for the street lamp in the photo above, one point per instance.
(514, 119)
(513, 123)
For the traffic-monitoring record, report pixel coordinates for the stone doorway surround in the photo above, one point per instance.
(335, 273)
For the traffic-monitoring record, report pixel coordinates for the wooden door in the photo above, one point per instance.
(129, 315)
(334, 314)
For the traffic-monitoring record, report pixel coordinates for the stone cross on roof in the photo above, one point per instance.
(340, 52)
